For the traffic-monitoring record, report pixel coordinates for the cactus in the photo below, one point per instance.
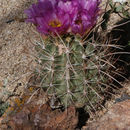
(75, 71)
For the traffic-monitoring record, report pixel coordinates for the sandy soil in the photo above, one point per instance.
(16, 50)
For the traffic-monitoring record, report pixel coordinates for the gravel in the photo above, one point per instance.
(16, 50)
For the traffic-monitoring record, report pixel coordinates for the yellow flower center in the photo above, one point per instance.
(55, 23)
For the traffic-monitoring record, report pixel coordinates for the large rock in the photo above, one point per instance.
(117, 118)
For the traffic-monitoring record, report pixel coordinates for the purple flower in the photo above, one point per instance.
(67, 7)
(88, 11)
(38, 10)
(59, 16)
(45, 16)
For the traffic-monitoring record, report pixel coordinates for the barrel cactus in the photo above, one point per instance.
(74, 69)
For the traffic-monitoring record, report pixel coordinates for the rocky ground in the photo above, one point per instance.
(17, 62)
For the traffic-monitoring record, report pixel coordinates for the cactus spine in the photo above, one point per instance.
(75, 71)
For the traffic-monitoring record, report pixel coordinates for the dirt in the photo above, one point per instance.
(12, 9)
(36, 113)
(16, 49)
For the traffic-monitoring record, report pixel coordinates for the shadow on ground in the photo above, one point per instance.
(13, 14)
(122, 33)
